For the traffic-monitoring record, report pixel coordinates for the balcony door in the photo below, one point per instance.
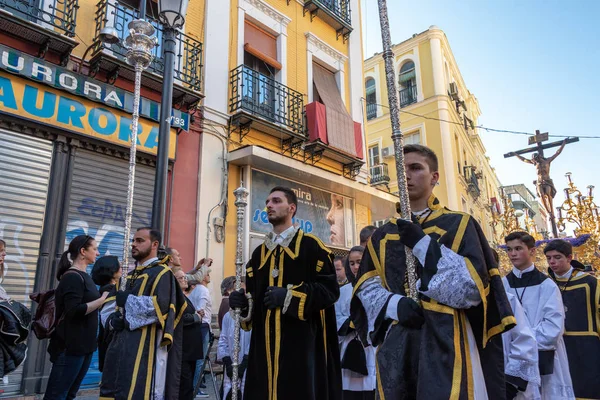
(258, 87)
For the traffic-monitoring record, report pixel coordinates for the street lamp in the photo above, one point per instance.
(172, 16)
(139, 44)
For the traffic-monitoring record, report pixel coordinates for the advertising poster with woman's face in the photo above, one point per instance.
(321, 213)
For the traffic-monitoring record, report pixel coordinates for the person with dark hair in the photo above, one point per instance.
(463, 307)
(365, 234)
(543, 306)
(580, 294)
(227, 286)
(192, 341)
(340, 271)
(77, 301)
(145, 353)
(106, 274)
(357, 358)
(294, 351)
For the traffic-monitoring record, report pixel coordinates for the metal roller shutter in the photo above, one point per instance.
(24, 173)
(97, 208)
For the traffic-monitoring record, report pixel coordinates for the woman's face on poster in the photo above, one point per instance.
(335, 218)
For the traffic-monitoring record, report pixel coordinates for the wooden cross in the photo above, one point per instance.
(545, 188)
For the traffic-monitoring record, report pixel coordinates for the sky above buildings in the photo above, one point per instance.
(532, 64)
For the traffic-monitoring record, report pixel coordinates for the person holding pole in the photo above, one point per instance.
(449, 345)
(145, 354)
(294, 351)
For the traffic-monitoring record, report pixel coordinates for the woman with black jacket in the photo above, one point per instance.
(77, 302)
(192, 341)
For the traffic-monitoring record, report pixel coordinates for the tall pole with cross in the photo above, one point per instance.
(544, 185)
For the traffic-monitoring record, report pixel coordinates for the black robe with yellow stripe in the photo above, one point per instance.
(129, 365)
(434, 362)
(294, 356)
(581, 297)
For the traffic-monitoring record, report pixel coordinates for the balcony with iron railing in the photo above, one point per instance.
(47, 23)
(408, 95)
(472, 181)
(379, 174)
(371, 111)
(256, 97)
(111, 58)
(334, 12)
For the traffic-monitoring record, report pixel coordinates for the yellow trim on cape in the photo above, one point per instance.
(433, 305)
(363, 278)
(324, 326)
(138, 359)
(150, 370)
(457, 370)
(470, 389)
(301, 303)
(321, 244)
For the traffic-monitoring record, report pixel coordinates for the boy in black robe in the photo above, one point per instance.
(581, 298)
(294, 352)
(449, 347)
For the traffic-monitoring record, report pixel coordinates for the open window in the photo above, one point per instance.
(371, 93)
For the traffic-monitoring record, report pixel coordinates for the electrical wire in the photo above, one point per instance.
(485, 128)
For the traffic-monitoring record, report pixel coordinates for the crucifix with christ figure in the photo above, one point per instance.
(544, 185)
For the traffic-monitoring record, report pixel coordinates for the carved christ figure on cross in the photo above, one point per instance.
(545, 187)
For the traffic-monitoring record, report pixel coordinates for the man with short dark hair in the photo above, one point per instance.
(365, 234)
(580, 294)
(294, 351)
(451, 346)
(144, 358)
(340, 270)
(543, 306)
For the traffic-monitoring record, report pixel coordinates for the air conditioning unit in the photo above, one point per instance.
(387, 152)
(453, 90)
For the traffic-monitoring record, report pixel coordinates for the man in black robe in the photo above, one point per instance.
(581, 298)
(143, 360)
(294, 351)
(449, 347)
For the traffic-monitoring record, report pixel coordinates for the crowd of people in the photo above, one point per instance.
(319, 326)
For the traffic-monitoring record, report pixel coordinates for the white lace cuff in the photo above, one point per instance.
(139, 311)
(526, 370)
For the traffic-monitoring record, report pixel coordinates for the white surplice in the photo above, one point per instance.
(225, 349)
(351, 380)
(544, 309)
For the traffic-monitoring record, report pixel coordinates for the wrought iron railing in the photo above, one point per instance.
(339, 8)
(264, 97)
(371, 110)
(408, 96)
(188, 51)
(472, 181)
(379, 174)
(52, 14)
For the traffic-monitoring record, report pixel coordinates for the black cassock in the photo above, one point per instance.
(434, 362)
(294, 355)
(131, 360)
(581, 297)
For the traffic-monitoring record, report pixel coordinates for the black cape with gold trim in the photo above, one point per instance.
(294, 356)
(129, 365)
(434, 362)
(581, 297)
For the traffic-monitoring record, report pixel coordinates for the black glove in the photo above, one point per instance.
(237, 299)
(107, 288)
(275, 297)
(122, 296)
(410, 315)
(243, 366)
(116, 321)
(410, 232)
(511, 391)
(228, 366)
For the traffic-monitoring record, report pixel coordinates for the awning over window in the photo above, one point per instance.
(261, 44)
(407, 76)
(340, 126)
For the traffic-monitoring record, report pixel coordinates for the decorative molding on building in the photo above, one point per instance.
(267, 10)
(324, 47)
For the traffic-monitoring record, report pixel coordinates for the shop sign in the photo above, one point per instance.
(324, 214)
(29, 100)
(39, 70)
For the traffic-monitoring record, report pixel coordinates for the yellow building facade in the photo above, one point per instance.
(437, 110)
